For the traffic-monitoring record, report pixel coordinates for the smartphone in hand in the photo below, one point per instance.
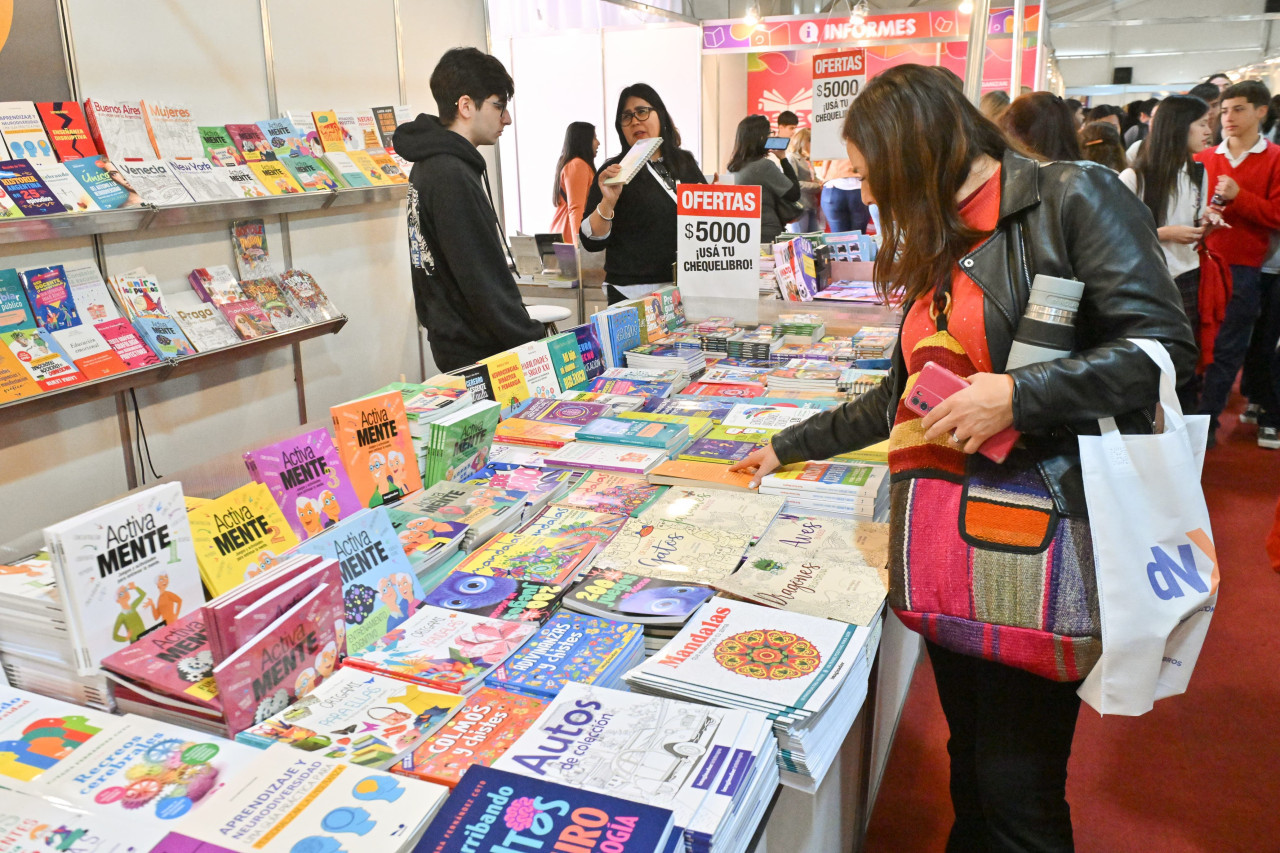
(935, 384)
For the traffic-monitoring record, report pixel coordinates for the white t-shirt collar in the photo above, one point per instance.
(1258, 148)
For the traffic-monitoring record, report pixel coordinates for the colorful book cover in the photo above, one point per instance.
(575, 525)
(25, 188)
(307, 480)
(341, 165)
(139, 295)
(172, 131)
(269, 295)
(68, 131)
(635, 433)
(373, 442)
(37, 825)
(306, 126)
(566, 359)
(445, 649)
(249, 244)
(478, 383)
(155, 183)
(425, 539)
(15, 313)
(459, 442)
(331, 136)
(570, 647)
(285, 139)
(506, 598)
(37, 733)
(630, 597)
(238, 618)
(15, 382)
(85, 347)
(309, 174)
(285, 661)
(127, 343)
(697, 408)
(24, 134)
(352, 138)
(358, 718)
(203, 324)
(149, 771)
(174, 660)
(8, 208)
(274, 176)
(385, 163)
(726, 445)
(253, 144)
(49, 295)
(767, 417)
(218, 146)
(605, 491)
(386, 123)
(380, 589)
(125, 569)
(517, 430)
(567, 412)
(539, 374)
(163, 337)
(244, 181)
(370, 168)
(216, 284)
(540, 485)
(108, 186)
(525, 557)
(248, 319)
(40, 357)
(606, 457)
(674, 551)
(700, 389)
(284, 801)
(507, 379)
(697, 426)
(73, 197)
(615, 385)
(367, 130)
(239, 535)
(202, 180)
(480, 731)
(307, 296)
(588, 338)
(119, 131)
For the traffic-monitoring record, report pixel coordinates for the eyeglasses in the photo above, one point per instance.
(499, 105)
(638, 114)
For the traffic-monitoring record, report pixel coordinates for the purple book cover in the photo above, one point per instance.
(284, 662)
(177, 843)
(173, 661)
(719, 450)
(306, 477)
(566, 412)
(27, 189)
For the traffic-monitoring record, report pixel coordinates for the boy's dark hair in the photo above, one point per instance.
(468, 71)
(1149, 104)
(1074, 105)
(1252, 91)
(1206, 92)
(788, 118)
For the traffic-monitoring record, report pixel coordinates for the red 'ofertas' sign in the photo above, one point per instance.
(846, 63)
(718, 201)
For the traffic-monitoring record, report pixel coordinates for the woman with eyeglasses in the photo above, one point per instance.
(636, 222)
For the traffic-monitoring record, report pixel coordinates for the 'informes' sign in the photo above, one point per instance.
(837, 80)
(718, 250)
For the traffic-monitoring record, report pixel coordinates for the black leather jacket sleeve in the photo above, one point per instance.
(851, 426)
(1108, 237)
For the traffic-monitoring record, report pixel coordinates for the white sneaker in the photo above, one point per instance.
(1269, 438)
(1250, 414)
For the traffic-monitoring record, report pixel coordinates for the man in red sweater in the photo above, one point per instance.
(1245, 172)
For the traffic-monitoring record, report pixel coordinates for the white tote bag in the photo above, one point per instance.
(1153, 552)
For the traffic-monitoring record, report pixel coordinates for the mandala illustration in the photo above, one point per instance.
(768, 655)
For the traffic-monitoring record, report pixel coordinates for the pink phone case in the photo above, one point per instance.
(935, 384)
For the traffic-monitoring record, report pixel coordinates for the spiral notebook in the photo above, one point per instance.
(635, 159)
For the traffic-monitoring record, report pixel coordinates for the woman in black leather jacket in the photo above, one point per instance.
(1011, 730)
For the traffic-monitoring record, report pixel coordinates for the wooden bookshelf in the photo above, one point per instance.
(52, 401)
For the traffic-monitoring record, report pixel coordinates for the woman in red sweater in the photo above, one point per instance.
(574, 173)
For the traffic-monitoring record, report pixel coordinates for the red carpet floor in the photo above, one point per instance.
(1201, 772)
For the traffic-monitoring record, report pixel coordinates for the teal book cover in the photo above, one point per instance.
(566, 359)
(164, 337)
(312, 177)
(635, 433)
(15, 313)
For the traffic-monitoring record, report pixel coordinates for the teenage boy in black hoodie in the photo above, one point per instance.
(462, 288)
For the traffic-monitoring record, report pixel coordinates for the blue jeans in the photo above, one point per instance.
(1232, 342)
(806, 224)
(844, 210)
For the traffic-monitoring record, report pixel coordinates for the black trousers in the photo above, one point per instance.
(1189, 289)
(1011, 735)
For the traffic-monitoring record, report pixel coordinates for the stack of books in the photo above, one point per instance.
(783, 381)
(808, 674)
(624, 459)
(541, 485)
(658, 752)
(726, 445)
(542, 422)
(457, 444)
(523, 556)
(831, 488)
(874, 341)
(571, 647)
(856, 381)
(759, 342)
(485, 510)
(660, 607)
(577, 525)
(689, 360)
(633, 432)
(801, 328)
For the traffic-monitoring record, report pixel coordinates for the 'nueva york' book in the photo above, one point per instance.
(124, 569)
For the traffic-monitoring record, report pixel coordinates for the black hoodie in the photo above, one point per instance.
(462, 288)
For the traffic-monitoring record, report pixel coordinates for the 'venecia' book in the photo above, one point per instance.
(155, 183)
(124, 569)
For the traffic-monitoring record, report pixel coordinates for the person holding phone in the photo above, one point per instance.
(636, 221)
(967, 221)
(754, 164)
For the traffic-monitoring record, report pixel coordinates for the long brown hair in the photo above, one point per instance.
(1101, 143)
(1043, 124)
(914, 170)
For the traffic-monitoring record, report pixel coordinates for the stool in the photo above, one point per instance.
(548, 316)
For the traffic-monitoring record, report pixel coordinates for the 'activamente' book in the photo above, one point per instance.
(239, 535)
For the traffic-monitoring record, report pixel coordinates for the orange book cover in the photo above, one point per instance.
(534, 433)
(14, 381)
(329, 130)
(373, 442)
(710, 475)
(387, 166)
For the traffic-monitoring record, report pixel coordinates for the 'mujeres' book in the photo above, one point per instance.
(307, 480)
(492, 811)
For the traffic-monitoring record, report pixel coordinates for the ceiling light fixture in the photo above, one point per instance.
(752, 18)
(966, 7)
(858, 15)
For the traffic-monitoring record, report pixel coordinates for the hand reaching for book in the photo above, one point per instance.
(760, 462)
